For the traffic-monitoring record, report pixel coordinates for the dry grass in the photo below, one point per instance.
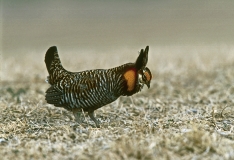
(187, 113)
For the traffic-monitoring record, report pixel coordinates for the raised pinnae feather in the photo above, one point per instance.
(142, 59)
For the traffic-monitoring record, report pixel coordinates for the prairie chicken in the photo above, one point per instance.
(92, 89)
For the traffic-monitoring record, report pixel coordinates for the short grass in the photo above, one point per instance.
(188, 113)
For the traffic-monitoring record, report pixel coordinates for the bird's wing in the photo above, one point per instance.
(82, 93)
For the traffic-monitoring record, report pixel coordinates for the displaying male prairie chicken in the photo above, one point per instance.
(92, 89)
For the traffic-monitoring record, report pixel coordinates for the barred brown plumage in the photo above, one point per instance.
(92, 89)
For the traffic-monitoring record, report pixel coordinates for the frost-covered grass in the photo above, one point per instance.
(187, 113)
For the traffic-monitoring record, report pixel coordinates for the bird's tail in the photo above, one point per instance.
(53, 65)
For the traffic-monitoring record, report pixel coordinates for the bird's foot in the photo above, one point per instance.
(94, 119)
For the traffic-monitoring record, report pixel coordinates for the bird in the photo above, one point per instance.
(86, 91)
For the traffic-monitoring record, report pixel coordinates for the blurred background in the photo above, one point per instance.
(104, 26)
(110, 27)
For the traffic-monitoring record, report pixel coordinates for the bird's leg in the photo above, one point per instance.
(90, 113)
(78, 116)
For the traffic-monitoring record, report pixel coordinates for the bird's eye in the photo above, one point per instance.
(144, 78)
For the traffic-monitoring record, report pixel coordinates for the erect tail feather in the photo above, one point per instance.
(53, 65)
(50, 56)
(52, 60)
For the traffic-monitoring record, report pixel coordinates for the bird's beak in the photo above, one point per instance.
(148, 84)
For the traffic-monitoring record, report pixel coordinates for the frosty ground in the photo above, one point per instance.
(187, 113)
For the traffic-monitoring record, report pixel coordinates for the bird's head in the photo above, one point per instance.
(145, 77)
(137, 74)
(144, 73)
